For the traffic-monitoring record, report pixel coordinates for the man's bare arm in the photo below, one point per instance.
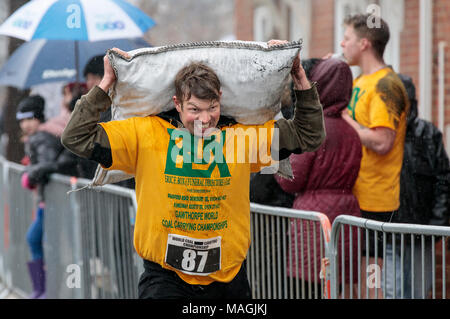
(378, 139)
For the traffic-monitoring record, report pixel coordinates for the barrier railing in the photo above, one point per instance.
(393, 260)
(18, 207)
(89, 235)
(88, 242)
(294, 254)
(287, 253)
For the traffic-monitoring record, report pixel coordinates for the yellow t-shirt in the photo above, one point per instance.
(380, 100)
(193, 195)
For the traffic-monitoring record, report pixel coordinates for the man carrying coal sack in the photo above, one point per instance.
(192, 173)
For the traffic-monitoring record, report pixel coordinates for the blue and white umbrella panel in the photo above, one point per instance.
(43, 61)
(91, 20)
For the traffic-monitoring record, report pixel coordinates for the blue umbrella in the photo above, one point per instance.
(91, 20)
(43, 61)
(76, 20)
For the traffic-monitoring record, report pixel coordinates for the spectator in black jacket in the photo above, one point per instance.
(424, 195)
(425, 170)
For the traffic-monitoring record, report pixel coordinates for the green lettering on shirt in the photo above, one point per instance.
(356, 95)
(183, 149)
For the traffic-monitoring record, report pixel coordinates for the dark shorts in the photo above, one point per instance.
(381, 217)
(159, 283)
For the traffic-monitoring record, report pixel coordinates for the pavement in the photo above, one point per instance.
(6, 293)
(12, 296)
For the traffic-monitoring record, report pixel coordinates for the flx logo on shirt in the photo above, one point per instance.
(191, 156)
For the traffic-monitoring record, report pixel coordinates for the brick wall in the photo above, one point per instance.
(439, 270)
(410, 49)
(322, 28)
(409, 44)
(243, 19)
(441, 32)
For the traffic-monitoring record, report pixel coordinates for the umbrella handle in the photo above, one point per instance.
(77, 76)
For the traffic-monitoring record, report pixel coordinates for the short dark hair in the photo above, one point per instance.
(94, 66)
(199, 80)
(378, 36)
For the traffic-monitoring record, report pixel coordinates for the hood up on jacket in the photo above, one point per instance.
(334, 85)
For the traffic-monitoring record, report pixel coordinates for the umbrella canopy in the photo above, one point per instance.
(90, 20)
(42, 61)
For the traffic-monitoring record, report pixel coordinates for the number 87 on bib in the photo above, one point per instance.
(193, 256)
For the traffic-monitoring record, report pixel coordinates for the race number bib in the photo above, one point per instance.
(193, 256)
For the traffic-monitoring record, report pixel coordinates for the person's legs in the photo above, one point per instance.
(34, 235)
(159, 283)
(36, 265)
(422, 288)
(412, 264)
(406, 279)
(370, 279)
(239, 287)
(369, 262)
(391, 290)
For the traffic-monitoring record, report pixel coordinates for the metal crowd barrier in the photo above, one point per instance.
(414, 254)
(89, 236)
(286, 254)
(88, 244)
(17, 209)
(89, 253)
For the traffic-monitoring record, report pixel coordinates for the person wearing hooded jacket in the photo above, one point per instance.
(323, 179)
(424, 196)
(46, 155)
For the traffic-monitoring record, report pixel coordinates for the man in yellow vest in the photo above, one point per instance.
(192, 179)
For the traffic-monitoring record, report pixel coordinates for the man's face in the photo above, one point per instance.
(92, 80)
(351, 46)
(29, 126)
(198, 115)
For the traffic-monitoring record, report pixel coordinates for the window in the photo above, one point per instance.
(343, 8)
(299, 22)
(262, 23)
(290, 20)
